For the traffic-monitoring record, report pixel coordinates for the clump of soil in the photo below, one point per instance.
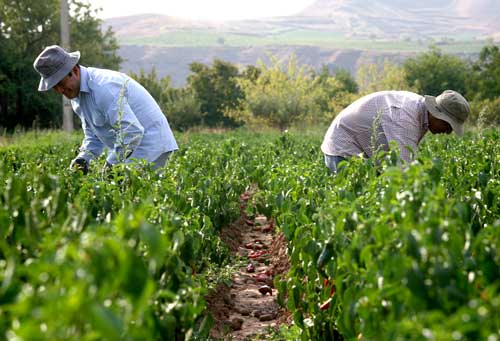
(232, 236)
(247, 308)
(280, 264)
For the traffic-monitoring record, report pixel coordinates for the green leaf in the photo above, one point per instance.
(107, 322)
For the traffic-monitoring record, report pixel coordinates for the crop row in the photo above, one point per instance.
(379, 250)
(122, 257)
(389, 252)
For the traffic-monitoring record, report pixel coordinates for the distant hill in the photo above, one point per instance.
(424, 18)
(337, 33)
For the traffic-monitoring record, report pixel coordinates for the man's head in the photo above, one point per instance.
(449, 109)
(59, 70)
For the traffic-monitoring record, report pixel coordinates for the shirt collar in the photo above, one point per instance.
(84, 79)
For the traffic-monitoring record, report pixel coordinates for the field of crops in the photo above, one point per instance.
(378, 252)
(305, 37)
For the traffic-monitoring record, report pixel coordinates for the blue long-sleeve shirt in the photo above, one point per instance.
(118, 113)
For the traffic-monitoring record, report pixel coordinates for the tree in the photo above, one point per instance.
(99, 49)
(433, 72)
(26, 27)
(333, 92)
(487, 69)
(372, 78)
(281, 95)
(183, 109)
(158, 88)
(251, 72)
(216, 89)
(347, 80)
(485, 112)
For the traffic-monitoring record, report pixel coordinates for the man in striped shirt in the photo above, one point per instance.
(375, 120)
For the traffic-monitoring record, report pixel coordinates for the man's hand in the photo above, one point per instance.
(79, 164)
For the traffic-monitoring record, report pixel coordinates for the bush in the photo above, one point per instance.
(485, 112)
(372, 78)
(284, 95)
(433, 72)
(183, 110)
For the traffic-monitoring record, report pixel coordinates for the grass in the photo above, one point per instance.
(37, 137)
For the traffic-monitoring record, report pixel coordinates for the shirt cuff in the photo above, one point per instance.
(87, 156)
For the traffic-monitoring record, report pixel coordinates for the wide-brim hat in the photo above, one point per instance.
(53, 64)
(451, 107)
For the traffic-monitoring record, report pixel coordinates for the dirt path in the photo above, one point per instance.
(247, 308)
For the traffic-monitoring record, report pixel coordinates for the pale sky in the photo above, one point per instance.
(202, 9)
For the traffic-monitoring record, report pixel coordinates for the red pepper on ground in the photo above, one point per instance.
(266, 289)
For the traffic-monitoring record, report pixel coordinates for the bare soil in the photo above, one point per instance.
(247, 308)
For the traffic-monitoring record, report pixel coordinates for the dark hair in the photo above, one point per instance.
(70, 73)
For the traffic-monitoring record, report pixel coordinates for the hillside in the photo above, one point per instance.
(337, 33)
(420, 19)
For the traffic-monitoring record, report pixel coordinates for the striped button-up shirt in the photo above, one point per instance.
(118, 113)
(375, 120)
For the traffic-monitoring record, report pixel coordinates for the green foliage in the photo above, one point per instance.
(98, 48)
(347, 80)
(216, 90)
(487, 68)
(281, 96)
(27, 27)
(251, 73)
(334, 92)
(118, 258)
(372, 78)
(433, 72)
(158, 88)
(415, 247)
(183, 109)
(485, 112)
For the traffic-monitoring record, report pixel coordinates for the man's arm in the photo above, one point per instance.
(91, 146)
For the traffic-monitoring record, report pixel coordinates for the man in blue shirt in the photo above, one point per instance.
(116, 112)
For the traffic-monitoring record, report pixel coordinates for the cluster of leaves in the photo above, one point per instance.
(127, 257)
(119, 257)
(282, 95)
(389, 252)
(182, 106)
